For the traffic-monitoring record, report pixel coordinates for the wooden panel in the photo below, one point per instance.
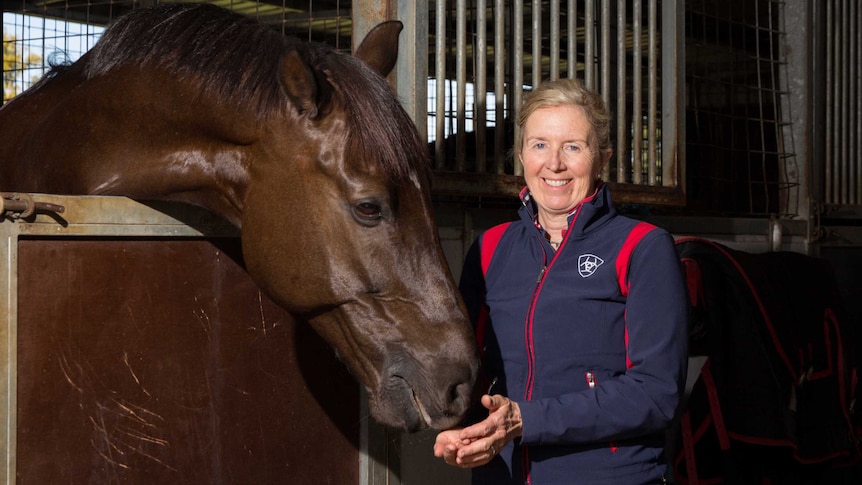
(159, 361)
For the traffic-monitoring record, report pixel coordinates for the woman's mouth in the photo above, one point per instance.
(557, 183)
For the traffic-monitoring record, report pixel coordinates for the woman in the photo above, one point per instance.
(581, 315)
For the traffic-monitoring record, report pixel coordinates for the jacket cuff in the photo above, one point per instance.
(530, 418)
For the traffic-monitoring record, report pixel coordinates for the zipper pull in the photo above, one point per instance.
(491, 386)
(541, 273)
(591, 379)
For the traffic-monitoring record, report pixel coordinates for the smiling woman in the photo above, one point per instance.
(561, 162)
(582, 313)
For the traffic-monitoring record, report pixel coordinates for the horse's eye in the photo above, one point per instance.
(368, 213)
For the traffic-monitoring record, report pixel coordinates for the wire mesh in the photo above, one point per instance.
(737, 156)
(36, 34)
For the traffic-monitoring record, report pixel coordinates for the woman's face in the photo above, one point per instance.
(561, 164)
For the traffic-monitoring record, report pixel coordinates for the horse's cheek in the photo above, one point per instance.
(273, 261)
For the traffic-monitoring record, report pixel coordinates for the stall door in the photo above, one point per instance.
(159, 361)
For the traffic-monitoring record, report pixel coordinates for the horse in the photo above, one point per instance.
(304, 148)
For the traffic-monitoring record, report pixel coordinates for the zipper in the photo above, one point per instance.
(528, 337)
(528, 333)
(528, 325)
(590, 376)
(541, 274)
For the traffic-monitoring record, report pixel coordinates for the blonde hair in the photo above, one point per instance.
(568, 92)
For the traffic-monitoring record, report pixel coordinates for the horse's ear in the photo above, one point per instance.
(299, 83)
(379, 49)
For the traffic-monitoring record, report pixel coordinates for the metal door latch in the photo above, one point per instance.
(16, 206)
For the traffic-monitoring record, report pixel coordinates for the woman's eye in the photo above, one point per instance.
(539, 146)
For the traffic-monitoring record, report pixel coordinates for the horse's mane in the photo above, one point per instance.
(238, 59)
(229, 54)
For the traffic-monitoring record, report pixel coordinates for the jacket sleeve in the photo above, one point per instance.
(472, 283)
(472, 288)
(642, 400)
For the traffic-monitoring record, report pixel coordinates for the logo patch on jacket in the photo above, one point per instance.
(588, 263)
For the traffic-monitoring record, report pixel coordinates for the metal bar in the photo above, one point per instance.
(844, 132)
(440, 80)
(537, 43)
(776, 83)
(841, 103)
(673, 93)
(815, 70)
(572, 39)
(622, 124)
(9, 344)
(555, 39)
(852, 119)
(652, 110)
(590, 45)
(481, 75)
(411, 70)
(518, 72)
(637, 91)
(759, 58)
(605, 66)
(461, 84)
(800, 53)
(829, 176)
(845, 83)
(499, 87)
(857, 106)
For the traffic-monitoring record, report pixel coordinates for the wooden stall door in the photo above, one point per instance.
(158, 361)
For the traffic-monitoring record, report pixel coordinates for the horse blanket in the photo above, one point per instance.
(778, 379)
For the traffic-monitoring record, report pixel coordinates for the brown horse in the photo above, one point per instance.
(307, 150)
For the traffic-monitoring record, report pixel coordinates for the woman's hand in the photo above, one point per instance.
(478, 444)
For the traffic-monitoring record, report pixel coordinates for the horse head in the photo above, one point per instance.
(337, 227)
(305, 148)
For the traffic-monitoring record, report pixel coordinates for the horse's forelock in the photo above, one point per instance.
(378, 125)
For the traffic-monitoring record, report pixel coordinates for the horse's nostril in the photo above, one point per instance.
(454, 393)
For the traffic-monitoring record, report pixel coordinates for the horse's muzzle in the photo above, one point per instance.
(414, 398)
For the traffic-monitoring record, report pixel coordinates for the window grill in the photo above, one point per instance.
(740, 156)
(741, 160)
(842, 177)
(498, 49)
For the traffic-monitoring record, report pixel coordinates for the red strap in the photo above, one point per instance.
(624, 257)
(694, 281)
(489, 244)
(715, 407)
(767, 319)
(688, 448)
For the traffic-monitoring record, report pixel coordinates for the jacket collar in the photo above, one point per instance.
(584, 215)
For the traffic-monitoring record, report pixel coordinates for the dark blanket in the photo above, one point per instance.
(778, 379)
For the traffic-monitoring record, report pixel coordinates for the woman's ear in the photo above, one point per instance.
(604, 157)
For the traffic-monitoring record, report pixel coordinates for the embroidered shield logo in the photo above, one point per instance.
(588, 263)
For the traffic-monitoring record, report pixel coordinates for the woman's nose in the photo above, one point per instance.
(555, 161)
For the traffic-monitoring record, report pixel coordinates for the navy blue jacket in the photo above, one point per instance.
(590, 340)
